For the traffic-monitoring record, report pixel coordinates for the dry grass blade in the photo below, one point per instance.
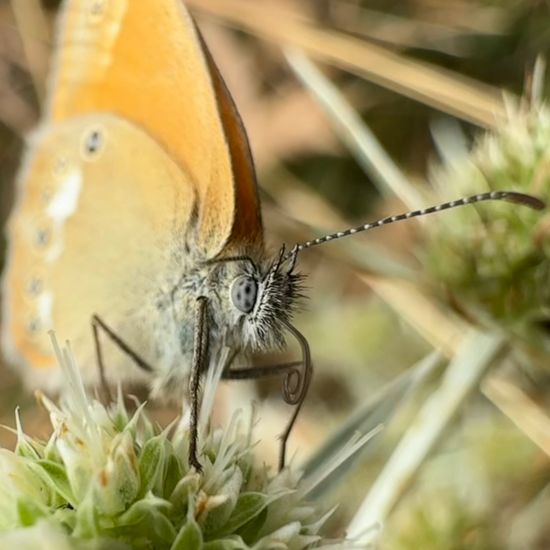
(477, 353)
(520, 409)
(378, 410)
(442, 89)
(361, 141)
(418, 32)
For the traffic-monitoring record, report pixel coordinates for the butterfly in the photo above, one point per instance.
(137, 232)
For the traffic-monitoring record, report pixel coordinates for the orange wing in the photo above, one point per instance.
(144, 60)
(140, 138)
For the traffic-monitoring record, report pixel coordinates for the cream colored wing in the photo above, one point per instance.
(100, 209)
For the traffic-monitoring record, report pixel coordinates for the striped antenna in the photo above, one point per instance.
(510, 196)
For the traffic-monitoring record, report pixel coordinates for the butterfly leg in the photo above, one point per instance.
(200, 356)
(295, 383)
(98, 323)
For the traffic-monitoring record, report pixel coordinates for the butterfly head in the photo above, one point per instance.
(264, 299)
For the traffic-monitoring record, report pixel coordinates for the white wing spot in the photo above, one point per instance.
(62, 206)
(45, 306)
(65, 201)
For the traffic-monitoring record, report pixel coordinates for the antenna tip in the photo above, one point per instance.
(527, 200)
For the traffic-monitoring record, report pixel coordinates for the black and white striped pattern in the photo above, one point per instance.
(510, 196)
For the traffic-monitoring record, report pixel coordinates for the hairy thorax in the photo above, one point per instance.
(233, 320)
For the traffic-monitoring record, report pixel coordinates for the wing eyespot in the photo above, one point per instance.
(96, 12)
(35, 286)
(42, 237)
(93, 143)
(33, 326)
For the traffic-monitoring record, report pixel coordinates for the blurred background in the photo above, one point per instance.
(435, 329)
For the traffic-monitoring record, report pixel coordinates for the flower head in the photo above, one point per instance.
(110, 479)
(494, 261)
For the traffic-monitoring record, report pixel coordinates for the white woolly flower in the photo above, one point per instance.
(108, 479)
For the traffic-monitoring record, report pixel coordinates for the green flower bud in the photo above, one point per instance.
(492, 261)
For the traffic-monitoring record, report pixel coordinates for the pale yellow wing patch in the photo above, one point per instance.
(101, 211)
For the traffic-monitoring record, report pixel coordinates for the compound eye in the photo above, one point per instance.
(243, 293)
